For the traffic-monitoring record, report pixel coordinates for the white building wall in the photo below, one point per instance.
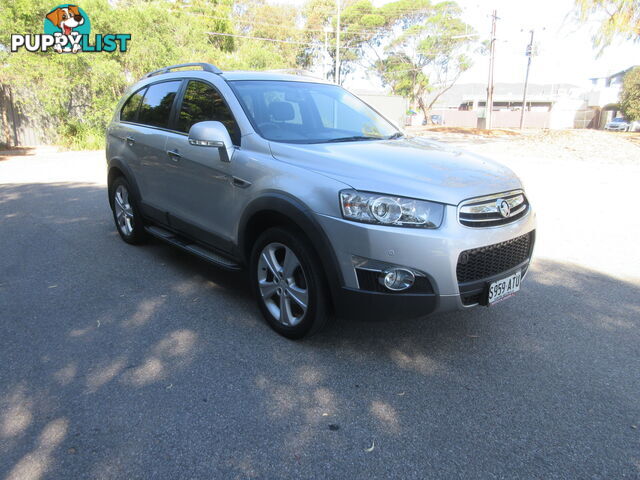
(393, 107)
(564, 113)
(604, 96)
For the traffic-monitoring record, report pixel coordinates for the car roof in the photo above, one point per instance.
(205, 69)
(228, 76)
(273, 76)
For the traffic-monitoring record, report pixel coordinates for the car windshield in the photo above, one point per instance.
(304, 112)
(618, 120)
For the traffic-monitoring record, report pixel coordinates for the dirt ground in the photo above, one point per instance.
(591, 145)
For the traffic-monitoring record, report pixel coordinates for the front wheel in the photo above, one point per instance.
(288, 283)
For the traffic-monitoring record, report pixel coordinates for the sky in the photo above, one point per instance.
(565, 51)
(564, 47)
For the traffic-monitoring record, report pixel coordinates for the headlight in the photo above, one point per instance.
(389, 210)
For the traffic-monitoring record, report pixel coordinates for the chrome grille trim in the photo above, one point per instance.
(484, 212)
(489, 206)
(520, 209)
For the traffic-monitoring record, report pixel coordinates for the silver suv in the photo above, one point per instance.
(328, 205)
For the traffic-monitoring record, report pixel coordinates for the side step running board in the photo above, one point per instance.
(198, 250)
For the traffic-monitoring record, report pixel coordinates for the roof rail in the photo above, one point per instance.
(207, 67)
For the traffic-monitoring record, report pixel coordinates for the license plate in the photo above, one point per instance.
(504, 288)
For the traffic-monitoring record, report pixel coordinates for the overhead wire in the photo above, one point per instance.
(346, 31)
(234, 18)
(275, 40)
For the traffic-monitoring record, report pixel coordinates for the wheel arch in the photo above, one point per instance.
(278, 209)
(117, 168)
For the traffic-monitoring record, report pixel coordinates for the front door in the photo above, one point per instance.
(201, 190)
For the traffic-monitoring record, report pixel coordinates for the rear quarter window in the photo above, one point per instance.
(129, 112)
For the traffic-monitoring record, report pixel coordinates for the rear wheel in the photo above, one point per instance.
(288, 283)
(125, 212)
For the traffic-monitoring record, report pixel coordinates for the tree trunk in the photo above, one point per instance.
(424, 108)
(446, 89)
(6, 138)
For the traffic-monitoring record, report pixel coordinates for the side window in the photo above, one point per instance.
(156, 106)
(201, 103)
(129, 110)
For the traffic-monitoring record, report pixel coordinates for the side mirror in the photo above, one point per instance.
(212, 134)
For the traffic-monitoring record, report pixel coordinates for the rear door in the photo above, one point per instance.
(149, 140)
(125, 132)
(202, 191)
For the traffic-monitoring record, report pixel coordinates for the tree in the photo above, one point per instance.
(630, 95)
(257, 18)
(79, 91)
(620, 19)
(360, 26)
(414, 46)
(429, 55)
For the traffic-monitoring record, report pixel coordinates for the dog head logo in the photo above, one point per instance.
(69, 20)
(66, 18)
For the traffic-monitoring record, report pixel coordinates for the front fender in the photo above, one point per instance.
(301, 216)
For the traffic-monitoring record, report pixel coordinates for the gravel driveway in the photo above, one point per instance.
(143, 362)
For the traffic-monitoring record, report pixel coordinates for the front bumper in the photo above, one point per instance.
(435, 253)
(364, 305)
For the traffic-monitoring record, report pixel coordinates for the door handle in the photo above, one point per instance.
(238, 182)
(130, 141)
(174, 155)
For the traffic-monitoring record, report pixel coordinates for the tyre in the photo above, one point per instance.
(289, 283)
(125, 212)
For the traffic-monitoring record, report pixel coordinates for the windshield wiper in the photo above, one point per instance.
(395, 135)
(355, 138)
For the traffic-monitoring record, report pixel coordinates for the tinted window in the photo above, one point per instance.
(202, 103)
(129, 110)
(156, 106)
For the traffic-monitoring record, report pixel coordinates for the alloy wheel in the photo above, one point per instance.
(283, 284)
(124, 210)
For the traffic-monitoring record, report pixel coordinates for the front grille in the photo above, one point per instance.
(487, 212)
(484, 262)
(475, 293)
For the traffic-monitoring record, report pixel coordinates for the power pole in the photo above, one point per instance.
(492, 52)
(529, 54)
(337, 75)
(325, 54)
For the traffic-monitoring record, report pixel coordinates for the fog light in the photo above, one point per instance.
(397, 279)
